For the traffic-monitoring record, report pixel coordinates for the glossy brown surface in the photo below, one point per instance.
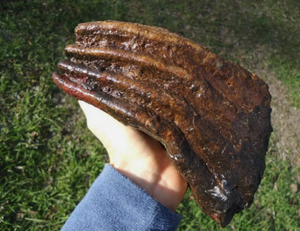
(212, 116)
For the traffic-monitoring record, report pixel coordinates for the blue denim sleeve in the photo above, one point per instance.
(115, 203)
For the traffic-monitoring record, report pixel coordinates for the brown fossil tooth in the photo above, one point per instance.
(212, 116)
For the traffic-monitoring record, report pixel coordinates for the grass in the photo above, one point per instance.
(48, 158)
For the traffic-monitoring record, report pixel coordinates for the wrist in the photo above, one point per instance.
(154, 182)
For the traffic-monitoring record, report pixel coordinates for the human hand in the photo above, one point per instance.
(137, 156)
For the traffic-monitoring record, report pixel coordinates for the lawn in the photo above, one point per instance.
(48, 158)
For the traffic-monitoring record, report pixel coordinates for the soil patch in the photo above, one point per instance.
(285, 119)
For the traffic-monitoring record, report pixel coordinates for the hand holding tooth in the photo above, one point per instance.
(212, 116)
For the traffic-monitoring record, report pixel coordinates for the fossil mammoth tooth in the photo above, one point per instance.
(211, 115)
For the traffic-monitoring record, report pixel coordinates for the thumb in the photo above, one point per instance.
(114, 135)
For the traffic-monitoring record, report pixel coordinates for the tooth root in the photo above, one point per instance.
(117, 55)
(124, 83)
(148, 65)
